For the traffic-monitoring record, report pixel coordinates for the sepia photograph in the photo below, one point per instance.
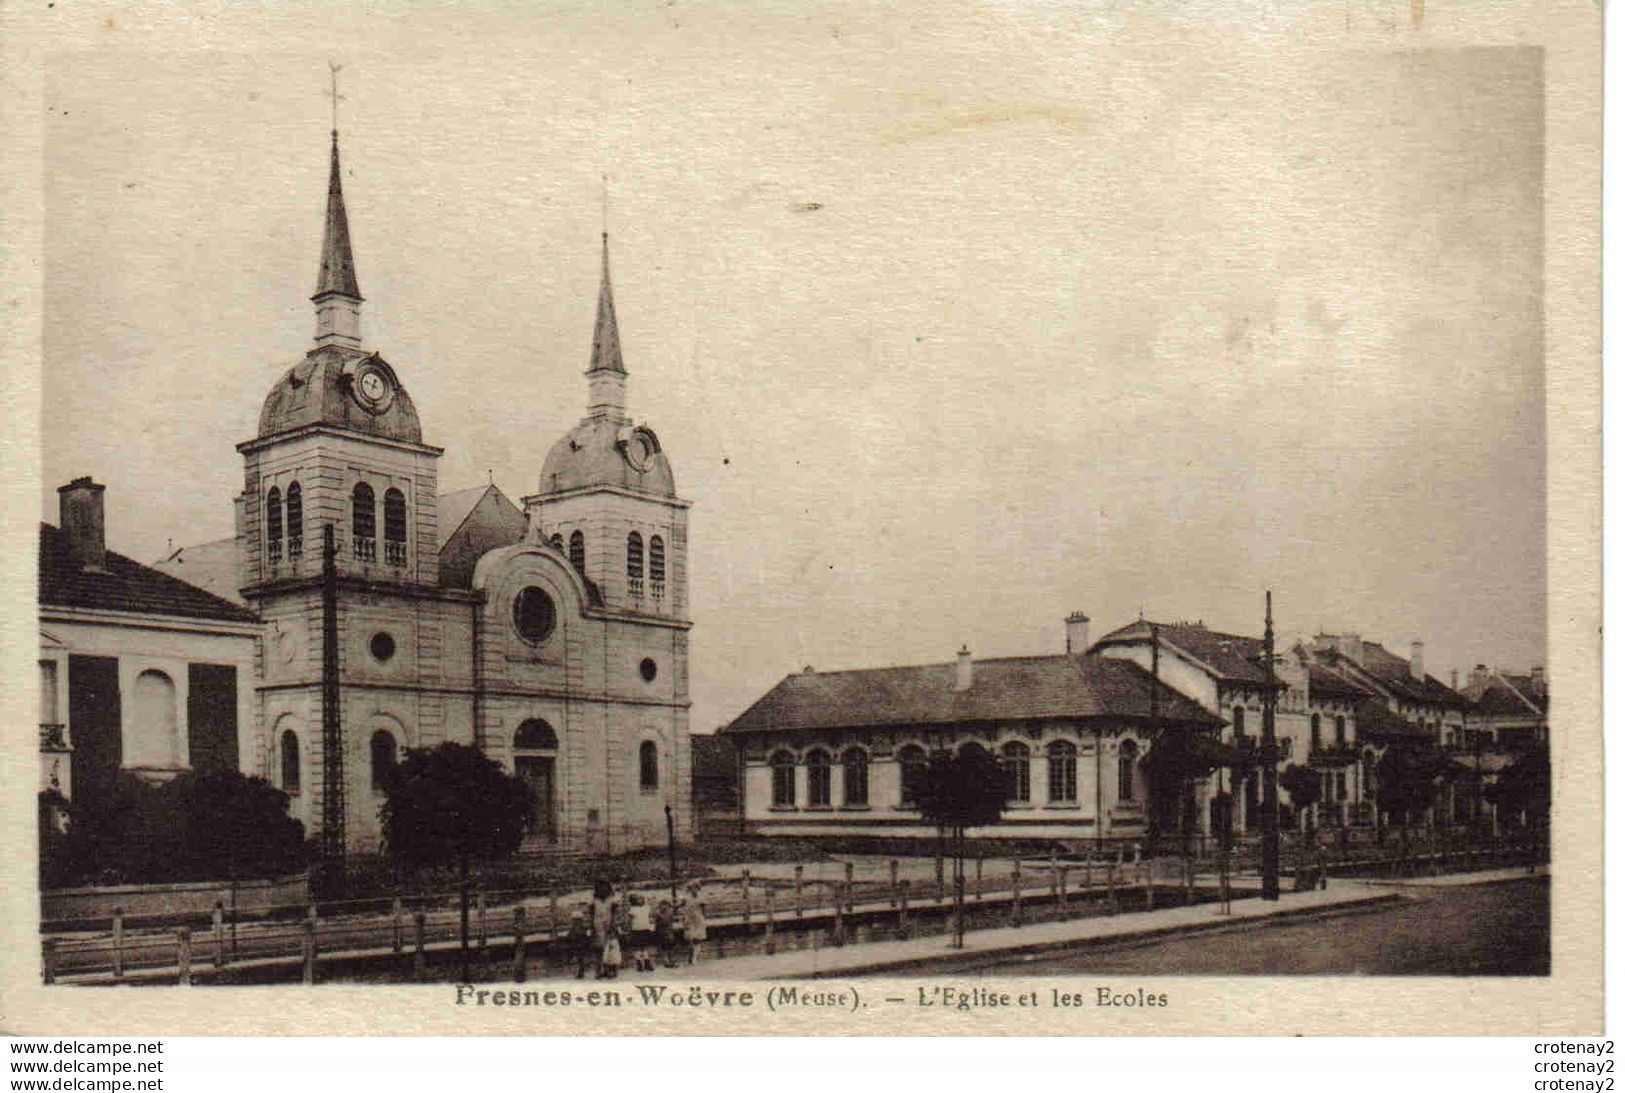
(577, 502)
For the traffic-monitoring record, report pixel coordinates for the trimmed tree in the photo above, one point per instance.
(1302, 786)
(1408, 777)
(1525, 787)
(452, 805)
(1176, 761)
(956, 792)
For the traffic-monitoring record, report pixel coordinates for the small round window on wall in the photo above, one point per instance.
(382, 646)
(534, 615)
(648, 670)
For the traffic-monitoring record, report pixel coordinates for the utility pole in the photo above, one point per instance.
(1267, 752)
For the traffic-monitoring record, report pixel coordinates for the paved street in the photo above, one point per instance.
(1499, 929)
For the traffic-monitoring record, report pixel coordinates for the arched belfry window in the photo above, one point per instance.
(364, 522)
(657, 566)
(394, 527)
(383, 759)
(290, 762)
(558, 542)
(296, 522)
(648, 767)
(634, 564)
(578, 552)
(1126, 757)
(273, 525)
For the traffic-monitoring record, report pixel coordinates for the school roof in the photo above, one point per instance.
(123, 585)
(1001, 689)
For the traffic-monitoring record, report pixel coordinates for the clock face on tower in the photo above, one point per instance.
(373, 389)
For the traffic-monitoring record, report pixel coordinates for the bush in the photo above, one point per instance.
(215, 825)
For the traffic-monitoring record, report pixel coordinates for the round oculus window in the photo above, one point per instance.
(648, 670)
(382, 646)
(534, 615)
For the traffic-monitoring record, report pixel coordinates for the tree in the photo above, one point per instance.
(956, 792)
(1176, 761)
(1525, 787)
(451, 804)
(215, 825)
(1302, 785)
(1408, 777)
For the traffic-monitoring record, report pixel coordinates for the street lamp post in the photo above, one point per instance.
(1267, 754)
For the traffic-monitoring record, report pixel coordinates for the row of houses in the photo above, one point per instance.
(834, 753)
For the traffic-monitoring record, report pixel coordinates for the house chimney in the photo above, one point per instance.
(1479, 676)
(1077, 633)
(1537, 680)
(1455, 680)
(1417, 672)
(962, 671)
(1352, 647)
(84, 525)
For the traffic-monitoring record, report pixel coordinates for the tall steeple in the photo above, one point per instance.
(606, 371)
(337, 298)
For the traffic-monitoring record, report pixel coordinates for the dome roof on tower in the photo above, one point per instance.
(603, 451)
(343, 387)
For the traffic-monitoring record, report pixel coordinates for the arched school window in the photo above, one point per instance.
(290, 762)
(784, 780)
(634, 564)
(648, 767)
(578, 552)
(364, 522)
(383, 759)
(855, 777)
(1126, 757)
(394, 527)
(911, 763)
(1063, 772)
(1314, 732)
(1016, 759)
(273, 525)
(657, 566)
(818, 778)
(296, 521)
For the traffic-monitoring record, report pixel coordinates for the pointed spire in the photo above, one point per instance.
(338, 264)
(606, 336)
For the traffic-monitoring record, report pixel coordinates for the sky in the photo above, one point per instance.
(949, 325)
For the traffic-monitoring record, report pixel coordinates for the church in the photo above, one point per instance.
(552, 634)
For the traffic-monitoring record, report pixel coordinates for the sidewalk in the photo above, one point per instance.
(900, 957)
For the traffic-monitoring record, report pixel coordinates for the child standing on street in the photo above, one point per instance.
(641, 925)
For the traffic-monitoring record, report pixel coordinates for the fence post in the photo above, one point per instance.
(840, 916)
(900, 898)
(849, 888)
(553, 912)
(978, 876)
(312, 917)
(769, 946)
(1015, 892)
(479, 920)
(118, 943)
(893, 869)
(1055, 884)
(397, 926)
(48, 957)
(183, 954)
(744, 890)
(1111, 887)
(942, 891)
(219, 934)
(519, 944)
(798, 890)
(1150, 891)
(1063, 891)
(307, 962)
(419, 957)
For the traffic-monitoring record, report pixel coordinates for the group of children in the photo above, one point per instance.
(618, 923)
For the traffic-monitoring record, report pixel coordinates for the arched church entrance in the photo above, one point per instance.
(535, 755)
